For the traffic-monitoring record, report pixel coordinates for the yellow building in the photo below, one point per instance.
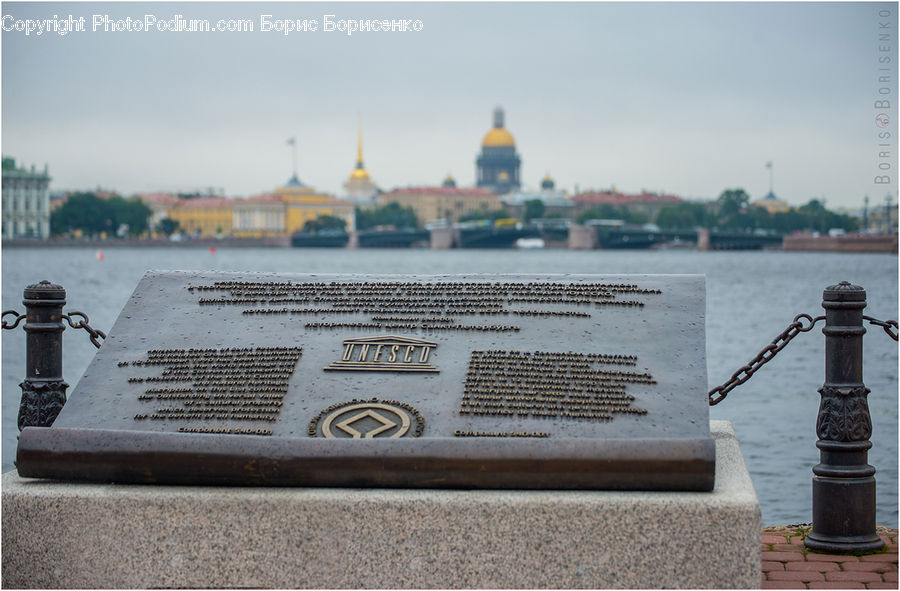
(287, 210)
(204, 216)
(442, 203)
(772, 204)
(303, 203)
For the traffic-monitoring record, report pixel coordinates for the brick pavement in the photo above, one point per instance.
(787, 564)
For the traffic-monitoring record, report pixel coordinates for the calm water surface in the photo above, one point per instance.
(751, 297)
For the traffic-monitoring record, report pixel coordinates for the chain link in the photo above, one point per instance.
(887, 325)
(84, 324)
(19, 318)
(718, 394)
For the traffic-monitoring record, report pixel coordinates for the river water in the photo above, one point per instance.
(751, 298)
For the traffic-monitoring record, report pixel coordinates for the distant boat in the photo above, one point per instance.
(530, 243)
(392, 238)
(498, 234)
(331, 239)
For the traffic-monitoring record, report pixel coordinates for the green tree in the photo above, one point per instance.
(816, 215)
(785, 222)
(730, 205)
(634, 216)
(132, 213)
(534, 208)
(325, 223)
(761, 217)
(683, 216)
(81, 211)
(392, 214)
(167, 226)
(93, 215)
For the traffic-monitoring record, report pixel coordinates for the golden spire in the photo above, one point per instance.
(359, 173)
(359, 160)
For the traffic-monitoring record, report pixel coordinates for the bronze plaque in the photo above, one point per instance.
(508, 381)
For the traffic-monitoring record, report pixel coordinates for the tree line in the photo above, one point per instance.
(733, 211)
(91, 215)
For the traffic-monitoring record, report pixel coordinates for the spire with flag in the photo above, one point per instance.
(359, 157)
(292, 142)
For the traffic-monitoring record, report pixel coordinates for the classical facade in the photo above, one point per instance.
(303, 204)
(204, 217)
(26, 202)
(497, 167)
(445, 203)
(268, 215)
(260, 216)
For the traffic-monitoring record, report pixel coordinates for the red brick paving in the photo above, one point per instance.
(787, 564)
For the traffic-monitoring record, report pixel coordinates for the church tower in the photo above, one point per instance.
(497, 167)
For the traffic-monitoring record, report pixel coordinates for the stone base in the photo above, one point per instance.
(66, 535)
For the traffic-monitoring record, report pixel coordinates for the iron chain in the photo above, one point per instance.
(84, 324)
(19, 318)
(887, 325)
(718, 394)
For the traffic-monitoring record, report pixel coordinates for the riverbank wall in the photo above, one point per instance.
(846, 243)
(275, 241)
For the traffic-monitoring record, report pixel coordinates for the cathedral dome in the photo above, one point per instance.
(498, 138)
(548, 183)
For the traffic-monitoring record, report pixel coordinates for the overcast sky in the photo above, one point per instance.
(686, 98)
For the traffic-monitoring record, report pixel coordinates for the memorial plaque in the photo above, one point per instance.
(506, 381)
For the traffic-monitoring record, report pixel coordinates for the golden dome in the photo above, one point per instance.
(498, 137)
(359, 174)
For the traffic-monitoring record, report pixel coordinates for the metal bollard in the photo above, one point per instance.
(43, 391)
(843, 487)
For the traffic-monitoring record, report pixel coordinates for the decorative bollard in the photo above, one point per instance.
(44, 390)
(843, 488)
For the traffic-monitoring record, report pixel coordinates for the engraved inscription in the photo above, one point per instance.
(391, 305)
(550, 385)
(231, 384)
(462, 433)
(385, 353)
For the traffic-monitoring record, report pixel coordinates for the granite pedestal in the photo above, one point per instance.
(65, 535)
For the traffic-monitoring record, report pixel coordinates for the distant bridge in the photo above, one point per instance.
(636, 237)
(602, 237)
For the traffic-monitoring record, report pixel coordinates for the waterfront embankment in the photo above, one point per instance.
(276, 241)
(845, 243)
(751, 297)
(787, 564)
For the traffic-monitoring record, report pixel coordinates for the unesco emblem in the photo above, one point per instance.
(367, 419)
(385, 353)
